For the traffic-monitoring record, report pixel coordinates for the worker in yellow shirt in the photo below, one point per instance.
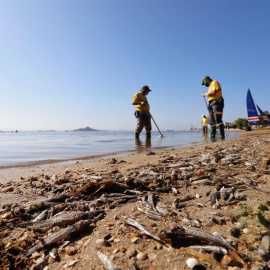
(204, 124)
(215, 106)
(142, 112)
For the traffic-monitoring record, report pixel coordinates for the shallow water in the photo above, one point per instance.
(55, 146)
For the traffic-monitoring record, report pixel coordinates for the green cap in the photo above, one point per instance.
(145, 88)
(206, 79)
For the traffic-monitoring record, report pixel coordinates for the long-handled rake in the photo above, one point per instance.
(161, 135)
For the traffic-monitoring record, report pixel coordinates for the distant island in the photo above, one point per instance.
(85, 129)
(47, 130)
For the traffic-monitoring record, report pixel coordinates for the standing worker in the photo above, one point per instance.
(142, 112)
(215, 106)
(204, 123)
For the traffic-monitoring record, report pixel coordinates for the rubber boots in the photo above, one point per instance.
(137, 135)
(213, 131)
(221, 130)
(148, 134)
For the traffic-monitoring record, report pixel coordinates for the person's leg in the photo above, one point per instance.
(148, 126)
(139, 127)
(221, 130)
(219, 113)
(212, 120)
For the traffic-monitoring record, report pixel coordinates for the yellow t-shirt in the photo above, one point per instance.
(141, 97)
(215, 85)
(204, 121)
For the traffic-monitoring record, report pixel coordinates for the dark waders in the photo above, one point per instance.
(215, 109)
(143, 121)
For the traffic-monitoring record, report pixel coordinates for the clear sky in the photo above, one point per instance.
(67, 64)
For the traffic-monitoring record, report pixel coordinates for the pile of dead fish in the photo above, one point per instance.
(76, 203)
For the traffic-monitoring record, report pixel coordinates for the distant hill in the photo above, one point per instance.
(85, 129)
(46, 130)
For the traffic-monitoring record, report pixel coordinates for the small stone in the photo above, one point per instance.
(134, 239)
(226, 260)
(123, 249)
(54, 178)
(152, 256)
(36, 255)
(141, 256)
(116, 250)
(246, 231)
(99, 241)
(56, 229)
(70, 250)
(234, 231)
(192, 262)
(51, 260)
(240, 225)
(131, 252)
(71, 263)
(159, 246)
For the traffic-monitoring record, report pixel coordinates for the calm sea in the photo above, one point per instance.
(40, 147)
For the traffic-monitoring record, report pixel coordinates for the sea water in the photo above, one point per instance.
(28, 147)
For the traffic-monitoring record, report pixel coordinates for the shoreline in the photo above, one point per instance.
(128, 162)
(140, 149)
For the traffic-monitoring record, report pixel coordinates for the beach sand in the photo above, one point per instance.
(241, 164)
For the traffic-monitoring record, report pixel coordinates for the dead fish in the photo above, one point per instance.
(41, 205)
(153, 216)
(200, 204)
(216, 214)
(41, 263)
(216, 249)
(150, 201)
(231, 196)
(263, 250)
(61, 219)
(8, 189)
(59, 235)
(41, 216)
(202, 181)
(214, 197)
(161, 210)
(224, 194)
(60, 198)
(181, 232)
(139, 226)
(178, 165)
(95, 177)
(239, 196)
(106, 262)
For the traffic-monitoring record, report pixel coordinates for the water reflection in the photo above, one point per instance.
(140, 146)
(213, 139)
(148, 142)
(204, 138)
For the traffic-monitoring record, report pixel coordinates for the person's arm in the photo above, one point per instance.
(137, 102)
(209, 94)
(215, 87)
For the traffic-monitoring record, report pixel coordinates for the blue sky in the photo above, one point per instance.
(68, 64)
